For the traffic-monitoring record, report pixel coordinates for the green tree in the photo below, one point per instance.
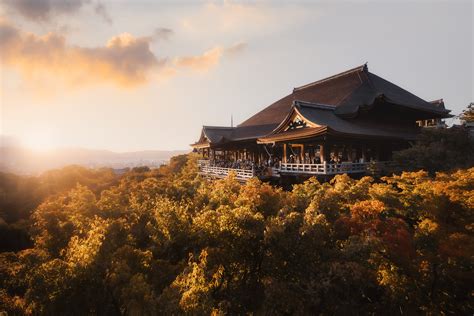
(438, 149)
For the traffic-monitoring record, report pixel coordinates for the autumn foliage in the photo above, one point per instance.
(170, 242)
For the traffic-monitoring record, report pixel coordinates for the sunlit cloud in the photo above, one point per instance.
(209, 58)
(227, 17)
(125, 60)
(205, 61)
(46, 10)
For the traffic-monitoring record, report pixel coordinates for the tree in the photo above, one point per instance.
(174, 243)
(467, 116)
(438, 149)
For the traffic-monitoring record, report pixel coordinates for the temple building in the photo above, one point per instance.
(340, 124)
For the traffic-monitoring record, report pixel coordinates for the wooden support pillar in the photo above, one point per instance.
(336, 154)
(284, 154)
(325, 152)
(302, 153)
(378, 151)
(322, 151)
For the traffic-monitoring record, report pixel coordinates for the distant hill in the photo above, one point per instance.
(20, 160)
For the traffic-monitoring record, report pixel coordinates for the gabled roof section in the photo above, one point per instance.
(217, 134)
(213, 135)
(294, 113)
(324, 121)
(347, 92)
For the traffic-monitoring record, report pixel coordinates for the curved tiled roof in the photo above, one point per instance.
(344, 94)
(217, 134)
(221, 134)
(327, 122)
(347, 92)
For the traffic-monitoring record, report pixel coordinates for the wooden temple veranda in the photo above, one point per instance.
(341, 124)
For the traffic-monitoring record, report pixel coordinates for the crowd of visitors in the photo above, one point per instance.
(244, 164)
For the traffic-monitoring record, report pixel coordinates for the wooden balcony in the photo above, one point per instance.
(219, 172)
(324, 168)
(205, 169)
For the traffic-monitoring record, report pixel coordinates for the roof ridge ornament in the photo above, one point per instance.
(298, 103)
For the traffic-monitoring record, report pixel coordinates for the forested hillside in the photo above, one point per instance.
(166, 241)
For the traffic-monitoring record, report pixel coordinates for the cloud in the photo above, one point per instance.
(205, 61)
(46, 10)
(249, 18)
(209, 58)
(236, 49)
(102, 11)
(162, 33)
(125, 60)
(226, 17)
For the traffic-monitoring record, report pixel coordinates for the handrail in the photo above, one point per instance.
(326, 168)
(223, 172)
(293, 168)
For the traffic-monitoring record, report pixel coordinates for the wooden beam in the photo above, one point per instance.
(322, 151)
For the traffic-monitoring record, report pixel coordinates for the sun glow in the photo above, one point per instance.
(38, 141)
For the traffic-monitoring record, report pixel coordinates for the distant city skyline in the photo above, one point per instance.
(144, 75)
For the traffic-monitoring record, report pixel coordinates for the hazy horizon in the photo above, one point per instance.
(21, 160)
(7, 141)
(146, 75)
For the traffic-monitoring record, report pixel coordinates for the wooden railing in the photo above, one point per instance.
(291, 168)
(324, 168)
(202, 162)
(219, 172)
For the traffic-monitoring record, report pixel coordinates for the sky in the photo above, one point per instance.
(140, 75)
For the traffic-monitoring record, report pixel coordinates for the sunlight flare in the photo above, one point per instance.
(39, 141)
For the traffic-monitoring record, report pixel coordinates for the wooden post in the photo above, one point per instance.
(302, 154)
(325, 152)
(284, 153)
